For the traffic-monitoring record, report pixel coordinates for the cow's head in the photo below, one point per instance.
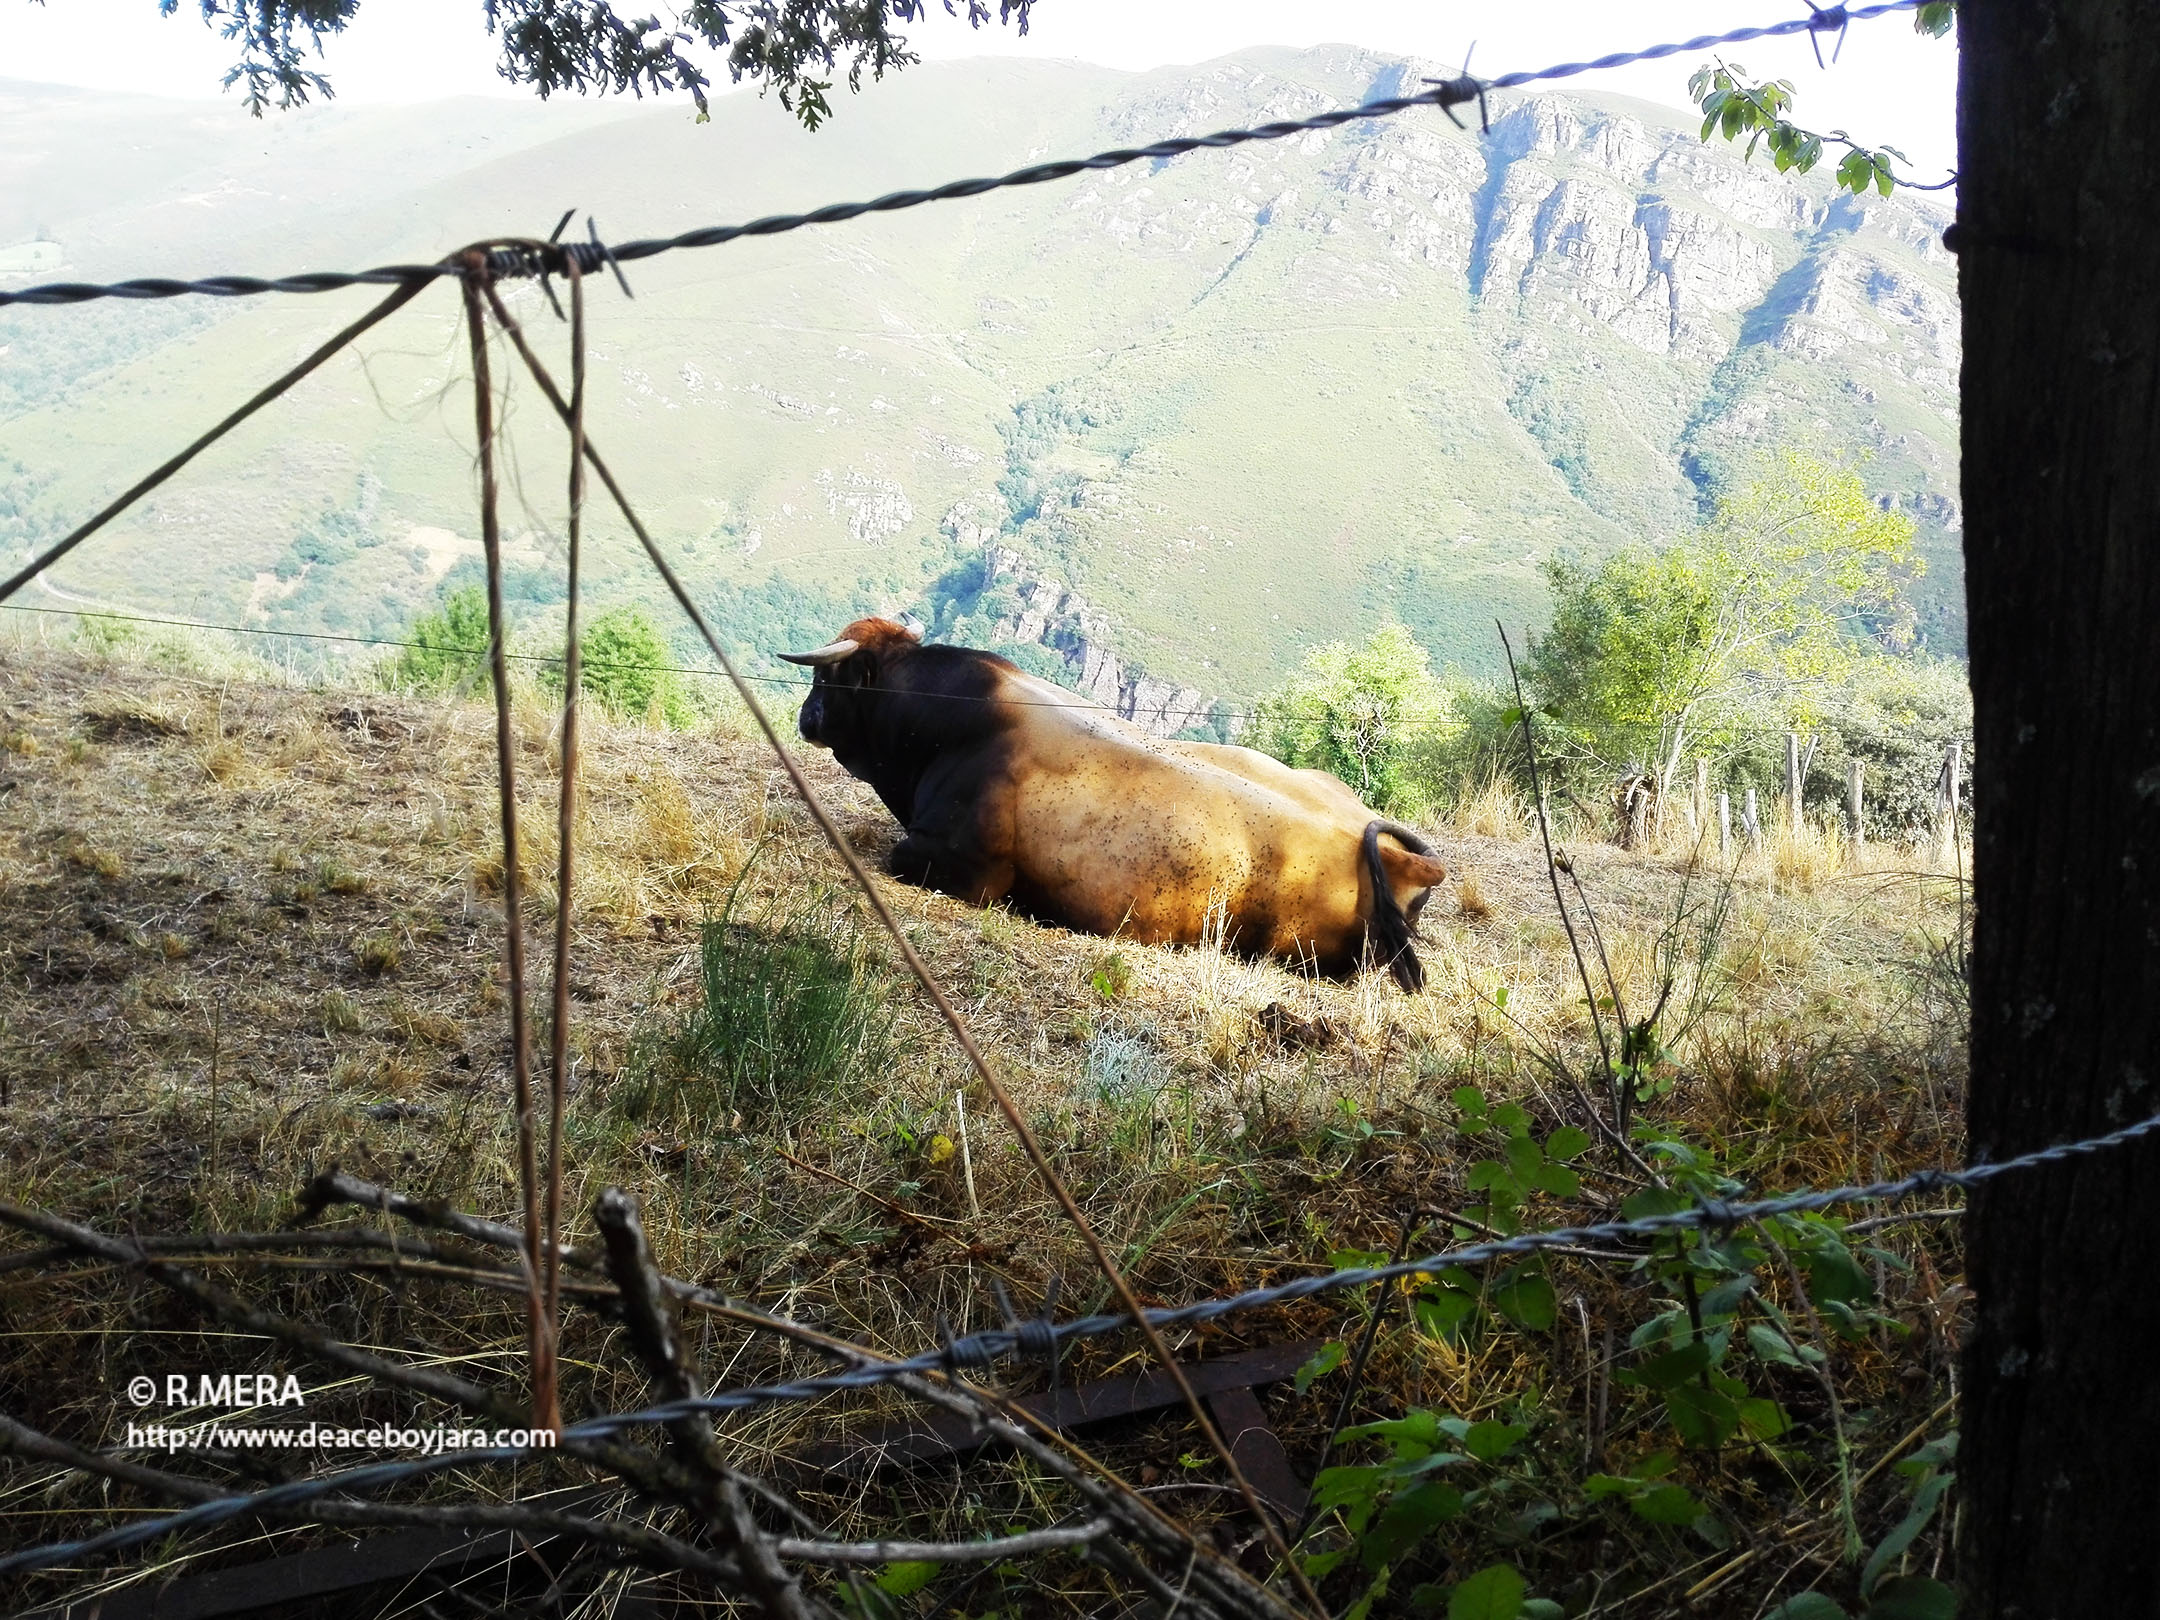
(856, 659)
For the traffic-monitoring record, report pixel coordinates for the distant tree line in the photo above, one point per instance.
(1785, 612)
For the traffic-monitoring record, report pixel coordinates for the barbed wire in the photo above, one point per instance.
(1042, 1338)
(553, 258)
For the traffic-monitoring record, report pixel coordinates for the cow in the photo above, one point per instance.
(1012, 789)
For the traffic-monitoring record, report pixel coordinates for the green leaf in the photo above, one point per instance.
(1807, 1606)
(1528, 1302)
(1349, 1485)
(1490, 1175)
(1406, 1520)
(1673, 1367)
(1568, 1142)
(1705, 1417)
(1511, 1119)
(1770, 1346)
(1324, 1361)
(1558, 1180)
(1373, 1594)
(1491, 1439)
(1524, 1158)
(1834, 1276)
(1319, 1565)
(1653, 1201)
(1444, 1312)
(1763, 1418)
(1892, 1547)
(1725, 1298)
(1493, 1593)
(1470, 1103)
(1667, 1504)
(1541, 1609)
(908, 1578)
(1413, 1435)
(1913, 1597)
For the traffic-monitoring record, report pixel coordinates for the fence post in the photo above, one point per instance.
(1854, 771)
(1749, 824)
(1724, 826)
(1792, 779)
(1699, 808)
(1946, 798)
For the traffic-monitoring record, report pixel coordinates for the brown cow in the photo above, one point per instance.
(1011, 788)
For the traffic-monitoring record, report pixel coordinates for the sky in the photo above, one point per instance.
(1887, 86)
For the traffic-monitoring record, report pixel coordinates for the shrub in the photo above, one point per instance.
(448, 647)
(1374, 715)
(624, 663)
(794, 1017)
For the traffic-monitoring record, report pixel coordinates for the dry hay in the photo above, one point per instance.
(252, 930)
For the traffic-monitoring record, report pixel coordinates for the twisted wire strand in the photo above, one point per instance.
(543, 259)
(1037, 1337)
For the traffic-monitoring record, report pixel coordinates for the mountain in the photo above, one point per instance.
(1171, 424)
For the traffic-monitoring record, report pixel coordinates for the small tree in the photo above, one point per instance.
(1762, 607)
(1370, 714)
(447, 648)
(624, 663)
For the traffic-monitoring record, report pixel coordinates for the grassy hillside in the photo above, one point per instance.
(1246, 402)
(254, 930)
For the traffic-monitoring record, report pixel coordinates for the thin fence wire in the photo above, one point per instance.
(1041, 1339)
(543, 259)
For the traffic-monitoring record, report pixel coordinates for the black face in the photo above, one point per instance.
(811, 722)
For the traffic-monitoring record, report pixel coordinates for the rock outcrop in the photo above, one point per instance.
(1054, 616)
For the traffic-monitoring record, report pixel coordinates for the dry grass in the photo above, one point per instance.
(336, 996)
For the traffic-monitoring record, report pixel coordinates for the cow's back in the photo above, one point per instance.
(1114, 831)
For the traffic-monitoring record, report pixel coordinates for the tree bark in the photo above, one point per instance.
(2060, 195)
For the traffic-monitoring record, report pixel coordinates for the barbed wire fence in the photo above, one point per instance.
(727, 1509)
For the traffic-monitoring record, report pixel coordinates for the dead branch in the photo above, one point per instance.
(944, 1552)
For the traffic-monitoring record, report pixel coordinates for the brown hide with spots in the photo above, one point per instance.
(1011, 788)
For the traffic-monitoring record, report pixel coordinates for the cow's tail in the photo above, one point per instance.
(1389, 929)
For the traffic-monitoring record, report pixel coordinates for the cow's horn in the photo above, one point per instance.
(831, 653)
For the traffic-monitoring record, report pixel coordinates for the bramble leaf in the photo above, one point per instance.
(1493, 1593)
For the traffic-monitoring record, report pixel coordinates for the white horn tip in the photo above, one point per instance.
(831, 653)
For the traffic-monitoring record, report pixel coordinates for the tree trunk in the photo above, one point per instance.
(2057, 236)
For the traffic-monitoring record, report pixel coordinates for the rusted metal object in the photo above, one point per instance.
(1226, 1385)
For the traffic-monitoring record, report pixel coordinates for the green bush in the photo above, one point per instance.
(1713, 641)
(624, 666)
(1898, 717)
(448, 647)
(794, 1018)
(1374, 715)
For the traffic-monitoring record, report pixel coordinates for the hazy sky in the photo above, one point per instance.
(1889, 85)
